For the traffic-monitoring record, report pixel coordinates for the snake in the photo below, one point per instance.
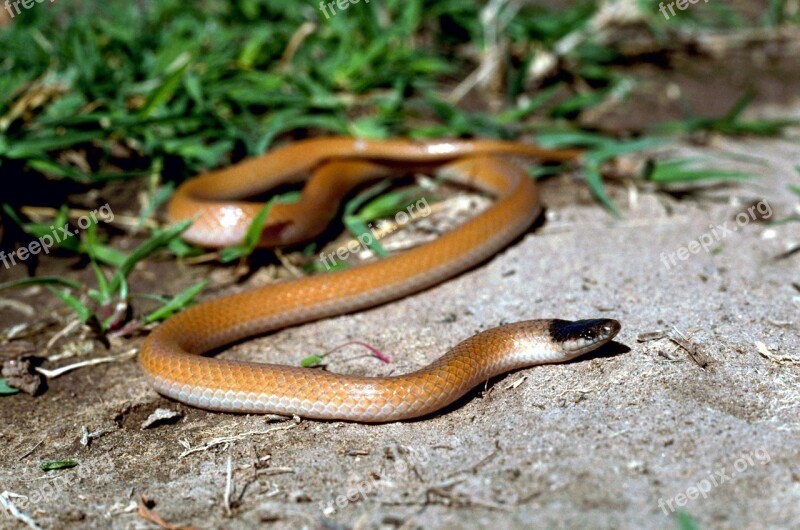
(173, 356)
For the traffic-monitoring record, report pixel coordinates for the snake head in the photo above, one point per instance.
(583, 336)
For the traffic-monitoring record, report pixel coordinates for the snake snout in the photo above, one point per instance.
(583, 336)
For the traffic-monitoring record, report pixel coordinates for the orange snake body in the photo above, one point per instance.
(172, 354)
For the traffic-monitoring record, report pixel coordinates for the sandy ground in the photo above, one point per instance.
(618, 440)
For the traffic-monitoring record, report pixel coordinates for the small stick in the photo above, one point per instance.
(11, 508)
(228, 487)
(52, 374)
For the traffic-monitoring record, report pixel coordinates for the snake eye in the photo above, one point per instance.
(581, 336)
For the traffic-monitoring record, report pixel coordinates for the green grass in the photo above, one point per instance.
(684, 170)
(159, 91)
(731, 124)
(101, 252)
(105, 306)
(190, 87)
(6, 390)
(55, 465)
(315, 361)
(685, 521)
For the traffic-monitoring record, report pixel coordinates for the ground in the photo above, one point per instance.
(695, 408)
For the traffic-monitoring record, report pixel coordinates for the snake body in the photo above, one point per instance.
(172, 354)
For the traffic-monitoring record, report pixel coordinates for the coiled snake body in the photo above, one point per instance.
(172, 354)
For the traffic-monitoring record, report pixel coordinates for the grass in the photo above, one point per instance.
(55, 465)
(5, 389)
(103, 253)
(195, 87)
(685, 521)
(731, 124)
(105, 306)
(159, 91)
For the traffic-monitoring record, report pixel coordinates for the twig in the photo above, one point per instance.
(228, 487)
(288, 265)
(16, 305)
(442, 490)
(780, 359)
(516, 383)
(11, 508)
(651, 335)
(66, 330)
(275, 471)
(32, 449)
(303, 32)
(788, 254)
(149, 515)
(52, 374)
(478, 464)
(698, 357)
(226, 439)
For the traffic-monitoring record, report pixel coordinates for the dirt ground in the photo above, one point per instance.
(696, 407)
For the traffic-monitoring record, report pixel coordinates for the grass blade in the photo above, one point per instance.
(6, 390)
(83, 312)
(160, 239)
(177, 303)
(54, 465)
(251, 238)
(41, 280)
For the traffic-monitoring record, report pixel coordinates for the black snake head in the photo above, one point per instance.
(582, 336)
